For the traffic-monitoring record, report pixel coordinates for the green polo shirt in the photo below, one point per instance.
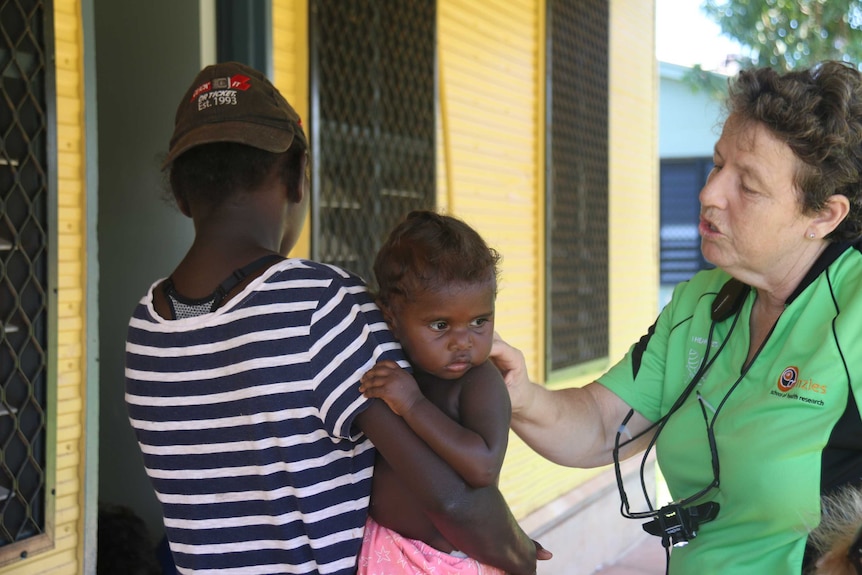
(786, 429)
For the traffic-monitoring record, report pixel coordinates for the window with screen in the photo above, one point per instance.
(372, 123)
(25, 200)
(577, 182)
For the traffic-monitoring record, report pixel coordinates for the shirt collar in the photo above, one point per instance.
(832, 252)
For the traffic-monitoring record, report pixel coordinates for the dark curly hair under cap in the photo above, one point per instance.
(818, 113)
(215, 173)
(428, 251)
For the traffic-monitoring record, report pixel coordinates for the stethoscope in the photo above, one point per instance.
(677, 523)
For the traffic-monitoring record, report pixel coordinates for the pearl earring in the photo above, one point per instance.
(811, 236)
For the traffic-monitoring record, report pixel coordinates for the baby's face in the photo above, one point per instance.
(446, 332)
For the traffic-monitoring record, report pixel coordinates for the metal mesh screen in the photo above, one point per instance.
(373, 128)
(578, 183)
(23, 267)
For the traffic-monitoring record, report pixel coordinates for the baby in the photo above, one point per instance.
(437, 284)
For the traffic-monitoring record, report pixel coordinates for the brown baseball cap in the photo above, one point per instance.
(232, 102)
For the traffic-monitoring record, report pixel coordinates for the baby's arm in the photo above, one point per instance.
(476, 521)
(476, 446)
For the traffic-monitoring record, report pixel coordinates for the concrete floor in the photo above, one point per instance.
(647, 557)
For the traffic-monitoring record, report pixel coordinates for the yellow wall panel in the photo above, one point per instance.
(66, 542)
(68, 171)
(68, 385)
(71, 350)
(66, 82)
(67, 452)
(67, 476)
(69, 280)
(69, 140)
(488, 60)
(69, 309)
(290, 74)
(66, 26)
(72, 406)
(55, 563)
(67, 57)
(66, 531)
(69, 422)
(63, 254)
(67, 508)
(68, 487)
(66, 392)
(633, 169)
(70, 241)
(67, 338)
(66, 379)
(72, 194)
(71, 218)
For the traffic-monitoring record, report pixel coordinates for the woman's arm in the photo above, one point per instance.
(574, 426)
(475, 446)
(476, 521)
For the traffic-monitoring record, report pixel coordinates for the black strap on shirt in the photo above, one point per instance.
(183, 307)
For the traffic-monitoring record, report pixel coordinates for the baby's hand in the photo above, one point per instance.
(389, 382)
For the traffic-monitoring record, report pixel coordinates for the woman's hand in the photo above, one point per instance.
(387, 381)
(511, 363)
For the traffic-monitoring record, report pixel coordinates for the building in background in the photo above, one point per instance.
(689, 125)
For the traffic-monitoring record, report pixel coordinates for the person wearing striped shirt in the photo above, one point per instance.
(243, 366)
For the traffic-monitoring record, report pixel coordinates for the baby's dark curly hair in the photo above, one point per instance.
(428, 251)
(818, 113)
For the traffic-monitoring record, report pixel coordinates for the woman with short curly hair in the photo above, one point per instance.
(749, 382)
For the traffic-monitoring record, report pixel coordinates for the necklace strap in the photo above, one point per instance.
(237, 276)
(184, 307)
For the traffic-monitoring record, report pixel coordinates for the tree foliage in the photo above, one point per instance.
(790, 34)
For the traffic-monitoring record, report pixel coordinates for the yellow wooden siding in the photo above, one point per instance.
(64, 519)
(634, 199)
(489, 163)
(290, 74)
(67, 556)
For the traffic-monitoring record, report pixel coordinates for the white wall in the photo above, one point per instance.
(689, 122)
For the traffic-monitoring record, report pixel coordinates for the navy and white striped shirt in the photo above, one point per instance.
(244, 417)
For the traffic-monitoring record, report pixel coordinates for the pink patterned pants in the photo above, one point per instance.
(385, 552)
